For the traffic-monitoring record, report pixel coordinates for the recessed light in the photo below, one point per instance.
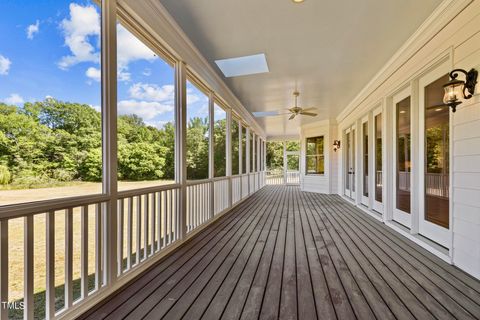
(298, 1)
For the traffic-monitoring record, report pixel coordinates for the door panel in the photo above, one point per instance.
(378, 158)
(403, 162)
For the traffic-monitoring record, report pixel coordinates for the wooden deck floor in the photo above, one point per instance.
(288, 254)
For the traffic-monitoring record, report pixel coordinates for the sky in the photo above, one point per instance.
(51, 48)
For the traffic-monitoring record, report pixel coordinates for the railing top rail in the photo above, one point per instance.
(140, 191)
(33, 208)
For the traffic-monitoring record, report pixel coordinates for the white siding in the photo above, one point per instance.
(318, 183)
(453, 34)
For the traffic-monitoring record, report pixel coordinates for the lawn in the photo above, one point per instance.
(16, 241)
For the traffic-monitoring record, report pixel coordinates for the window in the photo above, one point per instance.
(437, 155)
(244, 150)
(146, 115)
(219, 141)
(404, 163)
(378, 158)
(293, 146)
(197, 133)
(314, 156)
(252, 151)
(235, 146)
(50, 121)
(365, 158)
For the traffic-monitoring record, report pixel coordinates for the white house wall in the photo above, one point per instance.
(456, 41)
(320, 183)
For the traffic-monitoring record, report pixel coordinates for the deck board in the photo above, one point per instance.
(287, 254)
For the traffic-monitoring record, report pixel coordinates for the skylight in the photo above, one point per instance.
(242, 66)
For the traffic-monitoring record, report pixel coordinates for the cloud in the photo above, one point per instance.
(147, 110)
(147, 72)
(152, 92)
(160, 124)
(14, 98)
(93, 73)
(32, 29)
(4, 65)
(130, 48)
(84, 23)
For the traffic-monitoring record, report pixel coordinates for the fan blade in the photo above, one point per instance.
(261, 114)
(309, 109)
(311, 114)
(292, 116)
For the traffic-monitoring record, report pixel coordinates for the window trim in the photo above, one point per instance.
(315, 155)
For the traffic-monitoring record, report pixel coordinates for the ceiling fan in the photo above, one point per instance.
(293, 112)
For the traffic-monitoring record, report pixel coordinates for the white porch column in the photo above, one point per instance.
(211, 140)
(109, 130)
(181, 143)
(228, 156)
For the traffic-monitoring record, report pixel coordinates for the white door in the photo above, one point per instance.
(350, 163)
(402, 137)
(378, 160)
(434, 204)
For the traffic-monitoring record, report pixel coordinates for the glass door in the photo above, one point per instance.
(378, 161)
(350, 163)
(365, 180)
(403, 159)
(435, 185)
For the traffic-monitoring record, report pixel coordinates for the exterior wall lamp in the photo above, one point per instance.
(457, 89)
(336, 145)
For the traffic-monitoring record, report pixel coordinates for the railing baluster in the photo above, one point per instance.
(84, 252)
(139, 229)
(68, 258)
(145, 226)
(3, 267)
(165, 212)
(50, 265)
(153, 223)
(120, 236)
(159, 220)
(171, 216)
(129, 231)
(28, 268)
(98, 246)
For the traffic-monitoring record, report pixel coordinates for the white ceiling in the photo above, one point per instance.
(328, 50)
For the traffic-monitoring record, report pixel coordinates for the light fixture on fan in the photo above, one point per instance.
(457, 89)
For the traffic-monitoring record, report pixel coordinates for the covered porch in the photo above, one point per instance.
(283, 253)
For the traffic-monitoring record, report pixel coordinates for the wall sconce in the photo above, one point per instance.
(457, 89)
(336, 145)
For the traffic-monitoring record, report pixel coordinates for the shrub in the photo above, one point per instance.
(5, 175)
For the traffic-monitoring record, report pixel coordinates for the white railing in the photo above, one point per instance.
(147, 223)
(293, 177)
(404, 181)
(378, 179)
(236, 189)
(80, 228)
(80, 267)
(274, 177)
(245, 186)
(251, 181)
(221, 195)
(437, 184)
(198, 204)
